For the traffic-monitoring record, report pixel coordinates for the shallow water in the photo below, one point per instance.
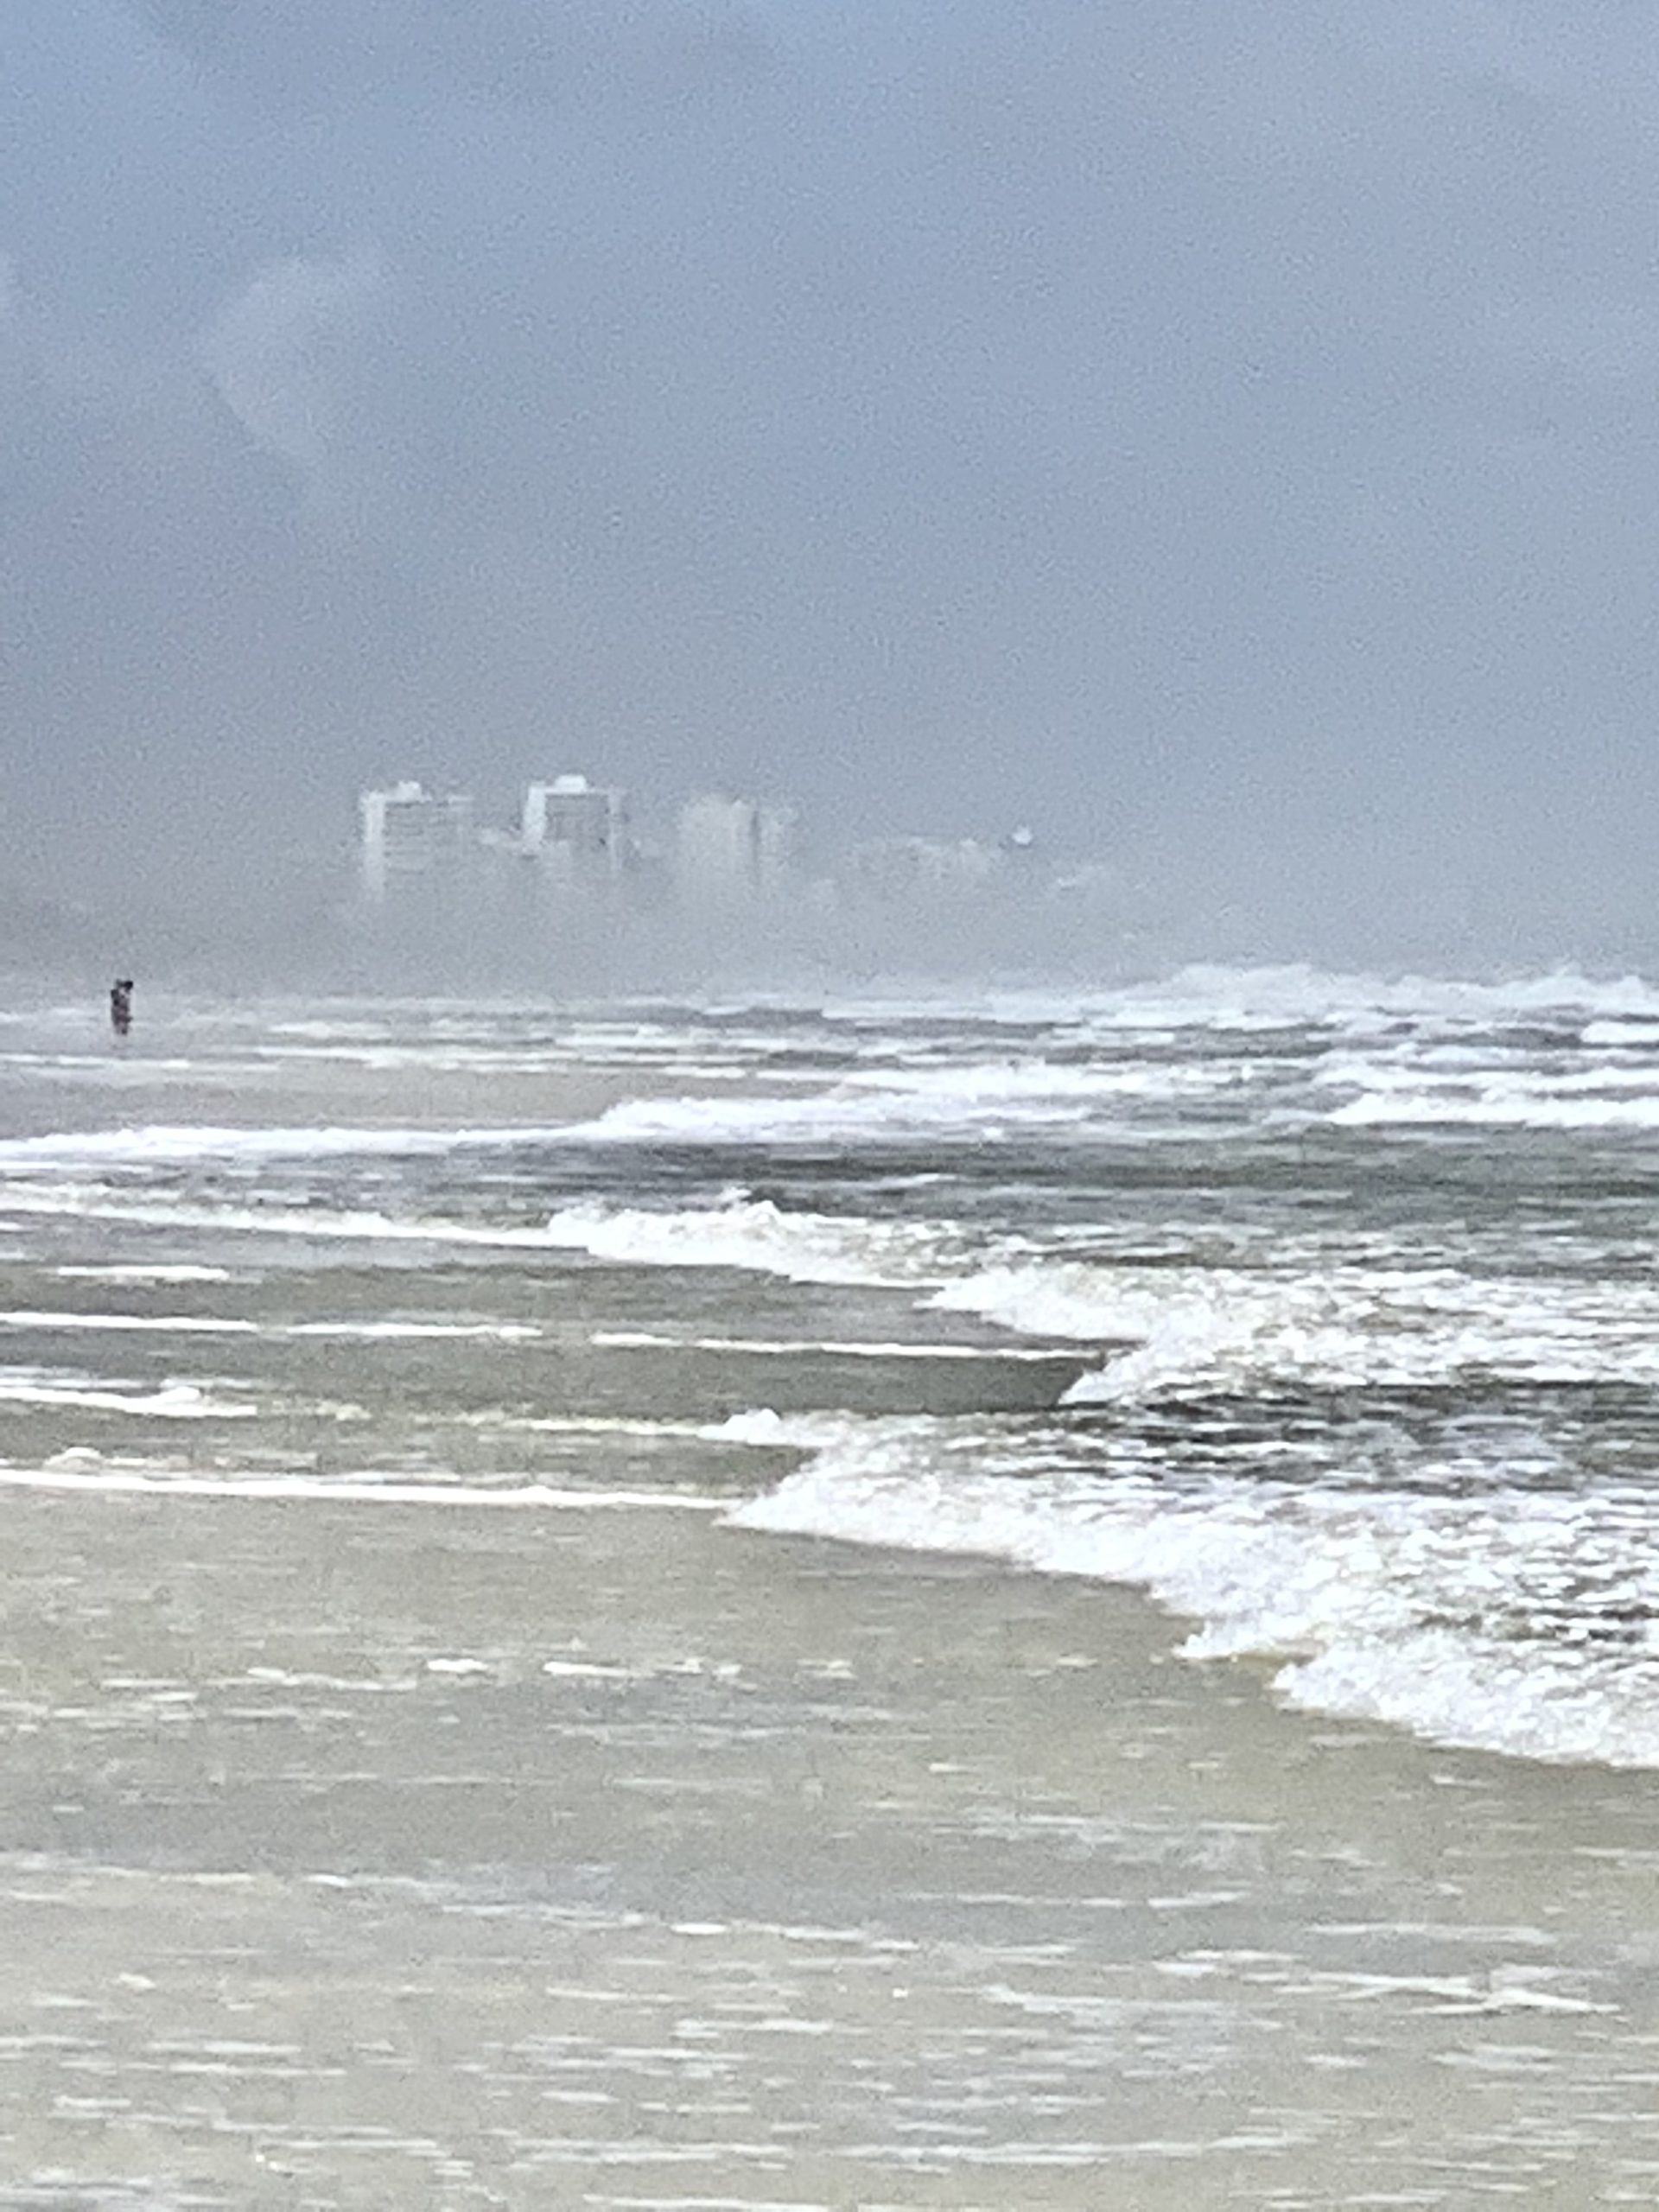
(369, 1855)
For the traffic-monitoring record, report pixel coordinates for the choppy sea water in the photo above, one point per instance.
(1322, 1311)
(1325, 1311)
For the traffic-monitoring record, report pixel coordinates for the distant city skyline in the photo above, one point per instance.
(721, 854)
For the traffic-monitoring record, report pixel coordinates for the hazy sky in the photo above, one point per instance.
(1226, 436)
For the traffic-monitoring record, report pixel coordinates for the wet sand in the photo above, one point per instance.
(135, 1090)
(369, 1856)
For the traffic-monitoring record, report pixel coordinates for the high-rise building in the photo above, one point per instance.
(576, 830)
(732, 849)
(411, 836)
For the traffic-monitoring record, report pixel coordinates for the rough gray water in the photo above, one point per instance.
(577, 1622)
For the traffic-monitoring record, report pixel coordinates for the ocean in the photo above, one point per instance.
(972, 1599)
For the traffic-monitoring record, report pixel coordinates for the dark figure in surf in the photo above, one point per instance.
(121, 1006)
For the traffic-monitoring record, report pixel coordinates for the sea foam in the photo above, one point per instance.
(760, 1236)
(1498, 1620)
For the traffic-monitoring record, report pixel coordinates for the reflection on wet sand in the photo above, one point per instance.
(357, 1855)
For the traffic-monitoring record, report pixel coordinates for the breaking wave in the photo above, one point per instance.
(1170, 1328)
(1505, 1621)
(761, 1237)
(982, 1101)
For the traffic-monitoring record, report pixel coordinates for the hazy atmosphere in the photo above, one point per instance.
(1219, 438)
(829, 1105)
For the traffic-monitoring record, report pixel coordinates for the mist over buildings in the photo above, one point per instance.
(1217, 438)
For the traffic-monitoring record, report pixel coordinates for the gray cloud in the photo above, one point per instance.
(267, 352)
(1220, 436)
(306, 55)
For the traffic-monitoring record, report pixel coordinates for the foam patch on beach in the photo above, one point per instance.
(141, 1276)
(317, 1224)
(1505, 1619)
(160, 1145)
(114, 1480)
(169, 1401)
(817, 1347)
(199, 1325)
(413, 1332)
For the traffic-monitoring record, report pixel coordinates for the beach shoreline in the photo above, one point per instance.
(451, 1751)
(479, 1857)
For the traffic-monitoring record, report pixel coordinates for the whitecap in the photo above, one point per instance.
(756, 1235)
(1499, 1620)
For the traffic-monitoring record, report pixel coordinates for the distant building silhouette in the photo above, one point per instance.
(728, 851)
(411, 837)
(578, 832)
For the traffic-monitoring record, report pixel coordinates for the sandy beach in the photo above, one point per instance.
(379, 1856)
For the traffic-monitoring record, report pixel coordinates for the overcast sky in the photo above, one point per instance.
(1223, 435)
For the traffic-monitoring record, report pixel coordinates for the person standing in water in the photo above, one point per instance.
(121, 1005)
